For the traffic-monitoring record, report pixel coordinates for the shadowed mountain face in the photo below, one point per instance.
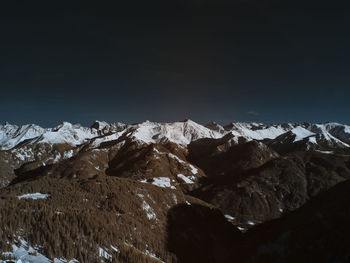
(169, 192)
(198, 233)
(317, 232)
(253, 183)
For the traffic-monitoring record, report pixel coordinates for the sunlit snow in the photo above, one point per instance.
(181, 133)
(34, 196)
(194, 170)
(301, 133)
(23, 253)
(185, 179)
(160, 182)
(229, 218)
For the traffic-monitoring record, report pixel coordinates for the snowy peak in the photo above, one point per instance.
(12, 135)
(300, 133)
(215, 127)
(182, 133)
(105, 127)
(177, 132)
(74, 134)
(342, 132)
(313, 137)
(99, 125)
(257, 131)
(329, 133)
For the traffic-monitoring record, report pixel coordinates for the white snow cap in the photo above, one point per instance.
(177, 132)
(183, 132)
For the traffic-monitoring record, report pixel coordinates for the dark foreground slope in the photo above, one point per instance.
(317, 232)
(198, 233)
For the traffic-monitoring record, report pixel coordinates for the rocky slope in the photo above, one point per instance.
(157, 192)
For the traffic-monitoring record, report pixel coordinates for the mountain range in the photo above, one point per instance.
(174, 192)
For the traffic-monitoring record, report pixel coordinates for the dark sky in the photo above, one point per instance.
(244, 60)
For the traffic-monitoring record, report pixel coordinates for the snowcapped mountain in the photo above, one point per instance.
(117, 192)
(328, 133)
(12, 135)
(177, 132)
(255, 131)
(181, 133)
(297, 136)
(146, 132)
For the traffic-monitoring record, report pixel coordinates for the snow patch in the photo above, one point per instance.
(149, 210)
(63, 260)
(23, 253)
(116, 249)
(34, 196)
(194, 170)
(68, 154)
(313, 140)
(229, 218)
(185, 179)
(103, 252)
(176, 158)
(301, 133)
(160, 182)
(175, 198)
(154, 256)
(325, 152)
(98, 141)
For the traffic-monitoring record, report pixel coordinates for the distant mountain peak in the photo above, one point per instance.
(182, 132)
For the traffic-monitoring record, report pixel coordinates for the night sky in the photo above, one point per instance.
(245, 60)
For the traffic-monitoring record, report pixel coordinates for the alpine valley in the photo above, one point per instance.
(175, 192)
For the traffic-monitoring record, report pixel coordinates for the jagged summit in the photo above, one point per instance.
(182, 132)
(99, 125)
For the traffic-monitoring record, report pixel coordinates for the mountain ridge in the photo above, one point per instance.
(147, 132)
